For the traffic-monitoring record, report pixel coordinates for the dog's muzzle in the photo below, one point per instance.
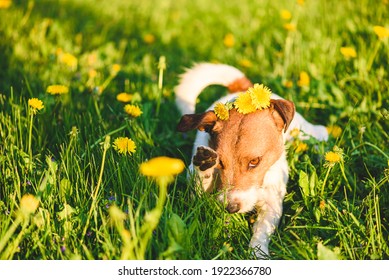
(231, 203)
(233, 207)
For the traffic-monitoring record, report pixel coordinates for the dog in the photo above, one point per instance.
(242, 158)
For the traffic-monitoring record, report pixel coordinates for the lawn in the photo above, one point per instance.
(71, 186)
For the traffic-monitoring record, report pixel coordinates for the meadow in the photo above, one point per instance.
(71, 184)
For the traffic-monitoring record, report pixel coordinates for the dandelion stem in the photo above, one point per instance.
(9, 233)
(161, 67)
(325, 181)
(156, 214)
(129, 245)
(218, 255)
(345, 178)
(10, 251)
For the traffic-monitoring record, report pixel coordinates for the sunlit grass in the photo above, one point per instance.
(329, 57)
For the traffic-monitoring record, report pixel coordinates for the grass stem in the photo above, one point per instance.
(97, 142)
(30, 139)
(106, 146)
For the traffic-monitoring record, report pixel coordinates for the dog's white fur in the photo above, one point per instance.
(269, 196)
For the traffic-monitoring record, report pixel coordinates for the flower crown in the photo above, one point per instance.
(255, 98)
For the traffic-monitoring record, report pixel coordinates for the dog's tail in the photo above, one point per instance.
(196, 79)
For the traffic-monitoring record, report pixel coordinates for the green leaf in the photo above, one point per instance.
(317, 213)
(312, 183)
(172, 250)
(51, 171)
(177, 229)
(66, 212)
(304, 183)
(325, 253)
(65, 188)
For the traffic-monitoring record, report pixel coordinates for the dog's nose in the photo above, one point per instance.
(233, 207)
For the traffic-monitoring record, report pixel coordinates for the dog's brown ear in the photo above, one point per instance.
(204, 121)
(285, 112)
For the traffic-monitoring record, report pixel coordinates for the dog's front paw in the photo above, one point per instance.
(205, 158)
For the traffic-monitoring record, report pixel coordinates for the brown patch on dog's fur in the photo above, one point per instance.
(243, 140)
(205, 121)
(285, 110)
(239, 85)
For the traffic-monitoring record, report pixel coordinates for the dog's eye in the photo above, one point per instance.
(254, 162)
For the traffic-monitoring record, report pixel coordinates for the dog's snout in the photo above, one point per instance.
(233, 207)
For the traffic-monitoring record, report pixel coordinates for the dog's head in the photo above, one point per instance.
(247, 146)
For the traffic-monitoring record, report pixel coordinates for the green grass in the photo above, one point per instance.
(95, 204)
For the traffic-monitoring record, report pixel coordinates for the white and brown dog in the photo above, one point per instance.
(244, 157)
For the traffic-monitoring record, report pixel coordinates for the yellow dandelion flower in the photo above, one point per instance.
(260, 96)
(133, 110)
(290, 26)
(348, 52)
(124, 145)
(126, 235)
(301, 2)
(5, 4)
(162, 166)
(28, 204)
(381, 32)
(333, 157)
(149, 38)
(244, 103)
(69, 60)
(115, 69)
(304, 80)
(124, 97)
(227, 247)
(334, 130)
(92, 73)
(288, 84)
(300, 147)
(221, 111)
(285, 14)
(245, 63)
(229, 40)
(57, 89)
(35, 105)
(295, 132)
